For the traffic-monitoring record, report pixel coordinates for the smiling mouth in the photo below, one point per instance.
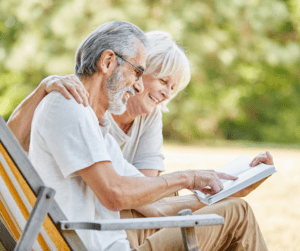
(127, 95)
(153, 98)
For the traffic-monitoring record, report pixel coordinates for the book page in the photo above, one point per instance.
(200, 194)
(236, 167)
(246, 175)
(240, 168)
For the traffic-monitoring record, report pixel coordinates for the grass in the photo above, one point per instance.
(275, 203)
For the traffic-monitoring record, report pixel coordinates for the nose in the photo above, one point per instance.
(166, 92)
(139, 85)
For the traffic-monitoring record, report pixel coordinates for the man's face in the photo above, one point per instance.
(124, 83)
(117, 92)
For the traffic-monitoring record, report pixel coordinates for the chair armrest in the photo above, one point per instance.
(145, 223)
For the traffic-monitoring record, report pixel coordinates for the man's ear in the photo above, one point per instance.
(107, 62)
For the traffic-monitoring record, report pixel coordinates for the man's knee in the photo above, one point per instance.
(239, 204)
(238, 211)
(229, 207)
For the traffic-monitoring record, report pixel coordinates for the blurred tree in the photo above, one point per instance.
(245, 59)
(245, 82)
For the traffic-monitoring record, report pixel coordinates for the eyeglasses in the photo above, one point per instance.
(140, 70)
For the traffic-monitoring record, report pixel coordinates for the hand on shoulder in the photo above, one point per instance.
(68, 85)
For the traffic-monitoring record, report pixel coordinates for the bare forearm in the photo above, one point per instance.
(21, 118)
(148, 190)
(170, 206)
(119, 192)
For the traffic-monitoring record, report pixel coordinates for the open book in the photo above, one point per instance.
(246, 176)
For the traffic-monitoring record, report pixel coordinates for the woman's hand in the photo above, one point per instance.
(265, 158)
(68, 85)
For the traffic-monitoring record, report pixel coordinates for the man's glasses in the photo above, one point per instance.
(140, 70)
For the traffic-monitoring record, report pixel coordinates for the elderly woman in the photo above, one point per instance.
(138, 130)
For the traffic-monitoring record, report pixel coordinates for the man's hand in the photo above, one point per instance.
(265, 158)
(67, 85)
(208, 181)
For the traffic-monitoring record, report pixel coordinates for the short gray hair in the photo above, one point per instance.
(165, 55)
(118, 36)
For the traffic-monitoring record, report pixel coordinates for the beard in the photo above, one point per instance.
(116, 89)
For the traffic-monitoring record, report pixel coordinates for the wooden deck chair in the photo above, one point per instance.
(31, 219)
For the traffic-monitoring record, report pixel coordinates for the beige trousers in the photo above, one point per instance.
(240, 231)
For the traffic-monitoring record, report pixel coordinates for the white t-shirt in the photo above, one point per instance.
(66, 137)
(141, 146)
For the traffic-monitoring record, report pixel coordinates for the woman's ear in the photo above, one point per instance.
(107, 62)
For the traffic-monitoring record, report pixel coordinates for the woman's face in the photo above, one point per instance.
(156, 91)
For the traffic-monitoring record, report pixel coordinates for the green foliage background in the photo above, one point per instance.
(245, 58)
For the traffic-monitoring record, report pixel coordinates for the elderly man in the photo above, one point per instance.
(73, 152)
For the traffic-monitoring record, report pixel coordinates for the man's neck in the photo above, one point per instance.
(124, 121)
(98, 98)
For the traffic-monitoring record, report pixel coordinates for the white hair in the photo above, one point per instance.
(165, 55)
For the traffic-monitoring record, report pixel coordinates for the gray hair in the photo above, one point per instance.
(165, 55)
(118, 36)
